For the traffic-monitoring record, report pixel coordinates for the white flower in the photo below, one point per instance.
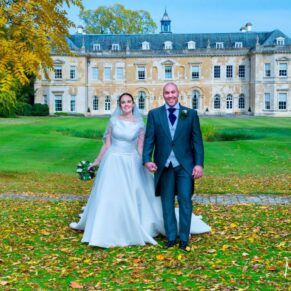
(79, 170)
(83, 162)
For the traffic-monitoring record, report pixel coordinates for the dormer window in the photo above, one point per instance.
(280, 41)
(96, 47)
(145, 45)
(191, 45)
(115, 47)
(219, 45)
(168, 45)
(238, 44)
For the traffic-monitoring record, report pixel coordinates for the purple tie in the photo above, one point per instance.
(172, 116)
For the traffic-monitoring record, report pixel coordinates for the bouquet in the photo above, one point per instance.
(82, 171)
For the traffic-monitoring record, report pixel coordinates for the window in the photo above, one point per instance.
(58, 103)
(280, 41)
(229, 102)
(168, 45)
(145, 45)
(241, 71)
(141, 100)
(216, 72)
(195, 72)
(168, 72)
(219, 45)
(228, 71)
(107, 103)
(45, 99)
(216, 102)
(95, 73)
(241, 101)
(267, 70)
(119, 73)
(238, 44)
(115, 47)
(73, 70)
(96, 47)
(95, 103)
(282, 101)
(107, 73)
(73, 104)
(58, 72)
(267, 101)
(195, 99)
(141, 73)
(283, 70)
(191, 45)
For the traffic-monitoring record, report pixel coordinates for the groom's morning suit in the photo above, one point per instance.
(178, 147)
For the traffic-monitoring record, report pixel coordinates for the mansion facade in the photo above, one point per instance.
(243, 72)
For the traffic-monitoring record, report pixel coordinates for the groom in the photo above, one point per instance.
(173, 134)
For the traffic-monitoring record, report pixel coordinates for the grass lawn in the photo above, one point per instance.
(245, 251)
(39, 155)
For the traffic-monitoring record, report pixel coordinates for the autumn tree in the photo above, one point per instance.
(117, 19)
(29, 31)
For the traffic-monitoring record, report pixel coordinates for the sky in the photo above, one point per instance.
(199, 16)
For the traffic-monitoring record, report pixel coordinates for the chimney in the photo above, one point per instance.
(243, 29)
(80, 29)
(248, 26)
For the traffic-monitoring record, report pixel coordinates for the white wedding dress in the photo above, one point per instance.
(122, 208)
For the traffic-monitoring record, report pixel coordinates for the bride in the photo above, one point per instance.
(122, 208)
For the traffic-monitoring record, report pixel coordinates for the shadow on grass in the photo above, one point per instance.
(88, 133)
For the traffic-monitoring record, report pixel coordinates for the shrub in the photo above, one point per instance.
(23, 109)
(7, 103)
(40, 110)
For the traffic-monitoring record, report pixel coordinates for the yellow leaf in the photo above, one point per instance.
(160, 257)
(233, 225)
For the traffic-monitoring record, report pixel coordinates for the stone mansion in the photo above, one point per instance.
(242, 72)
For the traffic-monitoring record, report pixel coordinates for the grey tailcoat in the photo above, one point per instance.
(187, 142)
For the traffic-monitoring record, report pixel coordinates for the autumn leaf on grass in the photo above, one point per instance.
(271, 268)
(76, 285)
(3, 283)
(160, 257)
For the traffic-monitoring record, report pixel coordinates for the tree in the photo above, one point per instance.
(29, 31)
(117, 19)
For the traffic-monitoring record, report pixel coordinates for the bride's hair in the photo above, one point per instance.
(125, 94)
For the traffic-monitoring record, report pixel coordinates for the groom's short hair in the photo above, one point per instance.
(170, 83)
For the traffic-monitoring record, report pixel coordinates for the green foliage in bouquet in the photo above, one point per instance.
(82, 171)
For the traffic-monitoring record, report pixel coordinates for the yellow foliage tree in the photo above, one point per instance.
(29, 31)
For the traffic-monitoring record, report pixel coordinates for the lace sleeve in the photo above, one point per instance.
(140, 139)
(108, 131)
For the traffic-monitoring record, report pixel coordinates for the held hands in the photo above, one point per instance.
(152, 167)
(197, 172)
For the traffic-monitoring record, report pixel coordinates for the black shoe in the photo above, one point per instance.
(183, 245)
(170, 243)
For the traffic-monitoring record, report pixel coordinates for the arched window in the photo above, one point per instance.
(241, 101)
(107, 103)
(216, 102)
(229, 102)
(195, 99)
(141, 100)
(95, 103)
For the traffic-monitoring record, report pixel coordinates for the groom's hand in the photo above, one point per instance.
(197, 172)
(152, 167)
